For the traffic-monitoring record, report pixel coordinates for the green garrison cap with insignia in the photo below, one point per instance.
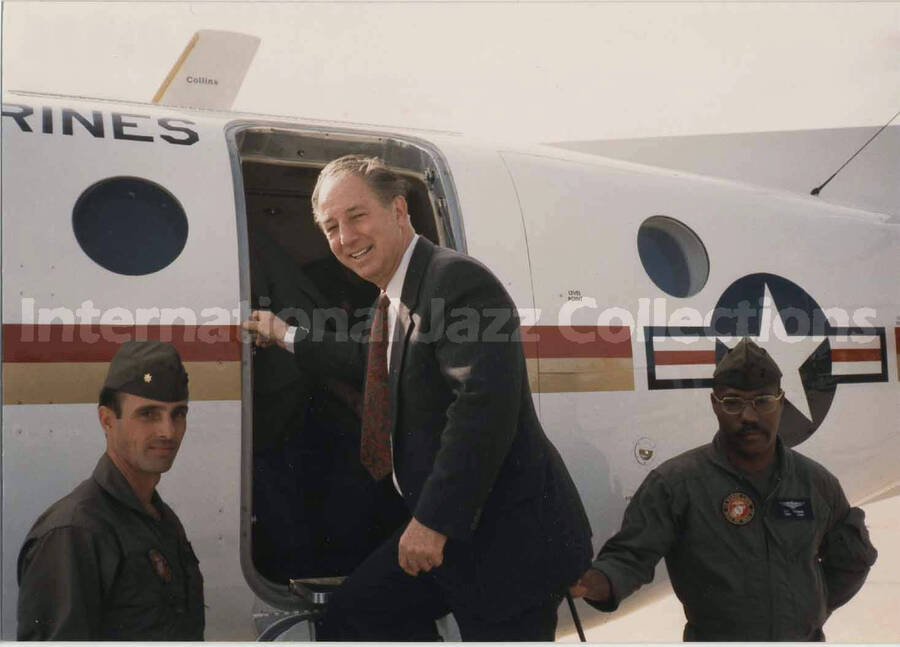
(150, 369)
(746, 367)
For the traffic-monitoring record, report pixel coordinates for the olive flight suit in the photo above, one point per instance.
(746, 565)
(97, 566)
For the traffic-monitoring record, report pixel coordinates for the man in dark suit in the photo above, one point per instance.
(497, 531)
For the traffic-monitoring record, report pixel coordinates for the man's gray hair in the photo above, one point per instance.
(372, 170)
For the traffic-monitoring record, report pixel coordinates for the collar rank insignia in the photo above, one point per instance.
(738, 508)
(160, 565)
(148, 378)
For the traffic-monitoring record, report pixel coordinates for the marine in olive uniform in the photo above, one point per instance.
(759, 541)
(110, 561)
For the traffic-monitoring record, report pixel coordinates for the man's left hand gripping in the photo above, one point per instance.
(421, 548)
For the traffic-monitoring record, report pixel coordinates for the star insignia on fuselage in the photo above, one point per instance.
(814, 355)
(790, 352)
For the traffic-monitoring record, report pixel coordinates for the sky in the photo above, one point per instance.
(531, 72)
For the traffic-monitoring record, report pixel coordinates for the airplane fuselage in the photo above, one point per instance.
(123, 220)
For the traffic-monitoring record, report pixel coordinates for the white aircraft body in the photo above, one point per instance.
(126, 220)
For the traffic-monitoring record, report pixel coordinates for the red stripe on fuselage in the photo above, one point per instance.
(855, 354)
(576, 341)
(95, 343)
(683, 357)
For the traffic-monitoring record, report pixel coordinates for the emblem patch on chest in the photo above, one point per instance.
(738, 508)
(160, 565)
(793, 509)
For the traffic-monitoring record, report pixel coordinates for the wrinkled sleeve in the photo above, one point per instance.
(61, 585)
(484, 369)
(649, 528)
(846, 553)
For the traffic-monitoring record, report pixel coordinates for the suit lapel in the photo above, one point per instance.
(409, 298)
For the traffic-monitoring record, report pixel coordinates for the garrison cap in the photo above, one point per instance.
(149, 369)
(746, 367)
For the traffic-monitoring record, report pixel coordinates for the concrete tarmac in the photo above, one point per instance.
(873, 616)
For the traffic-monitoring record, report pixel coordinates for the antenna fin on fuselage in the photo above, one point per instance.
(209, 72)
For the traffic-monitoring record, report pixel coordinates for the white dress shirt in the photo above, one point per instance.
(394, 290)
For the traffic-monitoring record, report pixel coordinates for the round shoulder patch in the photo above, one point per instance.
(738, 508)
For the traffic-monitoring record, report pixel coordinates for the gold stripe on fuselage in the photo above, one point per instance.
(580, 374)
(80, 382)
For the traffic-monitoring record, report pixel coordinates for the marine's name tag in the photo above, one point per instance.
(793, 509)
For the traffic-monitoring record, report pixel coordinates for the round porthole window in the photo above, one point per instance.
(673, 256)
(129, 225)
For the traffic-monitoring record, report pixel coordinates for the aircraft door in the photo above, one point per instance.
(312, 512)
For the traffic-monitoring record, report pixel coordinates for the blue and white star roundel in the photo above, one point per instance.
(814, 355)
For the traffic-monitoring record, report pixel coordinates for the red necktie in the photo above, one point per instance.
(375, 443)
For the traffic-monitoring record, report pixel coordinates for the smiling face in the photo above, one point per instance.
(364, 234)
(145, 439)
(748, 435)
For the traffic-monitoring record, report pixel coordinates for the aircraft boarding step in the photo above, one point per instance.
(315, 593)
(316, 590)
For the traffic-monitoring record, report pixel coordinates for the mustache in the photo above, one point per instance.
(750, 427)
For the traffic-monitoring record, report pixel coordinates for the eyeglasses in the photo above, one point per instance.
(762, 403)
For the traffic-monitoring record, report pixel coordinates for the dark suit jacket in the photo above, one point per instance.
(469, 452)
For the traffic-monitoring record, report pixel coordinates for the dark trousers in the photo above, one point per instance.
(380, 602)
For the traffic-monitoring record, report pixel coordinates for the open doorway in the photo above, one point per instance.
(314, 511)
